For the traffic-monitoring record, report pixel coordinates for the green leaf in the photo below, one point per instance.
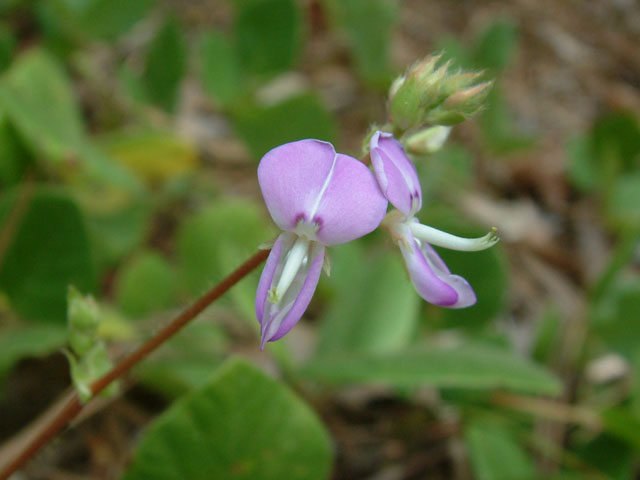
(220, 74)
(611, 149)
(461, 366)
(623, 201)
(610, 456)
(48, 251)
(582, 167)
(14, 157)
(56, 132)
(241, 425)
(7, 47)
(616, 136)
(165, 65)
(375, 307)
(616, 317)
(296, 118)
(111, 18)
(495, 455)
(33, 81)
(268, 35)
(368, 26)
(145, 285)
(20, 341)
(495, 46)
(211, 243)
(623, 424)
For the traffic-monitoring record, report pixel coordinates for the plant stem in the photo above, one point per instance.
(73, 406)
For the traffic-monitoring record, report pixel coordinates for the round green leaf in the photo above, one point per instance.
(242, 425)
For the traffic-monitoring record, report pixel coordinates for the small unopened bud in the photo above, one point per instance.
(82, 311)
(461, 81)
(395, 86)
(432, 94)
(424, 68)
(469, 100)
(428, 140)
(461, 105)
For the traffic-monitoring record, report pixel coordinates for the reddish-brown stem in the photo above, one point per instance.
(73, 406)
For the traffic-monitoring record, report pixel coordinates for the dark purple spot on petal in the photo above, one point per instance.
(300, 217)
(318, 221)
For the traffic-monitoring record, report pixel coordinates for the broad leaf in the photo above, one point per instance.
(220, 74)
(368, 27)
(241, 425)
(34, 81)
(165, 66)
(48, 251)
(267, 35)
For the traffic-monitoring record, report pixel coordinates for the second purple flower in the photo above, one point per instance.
(399, 183)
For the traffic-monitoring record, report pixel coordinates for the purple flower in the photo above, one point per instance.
(399, 183)
(317, 197)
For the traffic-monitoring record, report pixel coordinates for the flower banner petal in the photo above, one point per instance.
(292, 177)
(352, 204)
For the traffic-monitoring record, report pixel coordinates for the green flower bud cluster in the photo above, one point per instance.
(432, 94)
(88, 356)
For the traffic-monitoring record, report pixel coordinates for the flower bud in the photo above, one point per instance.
(82, 311)
(83, 318)
(429, 140)
(469, 100)
(435, 95)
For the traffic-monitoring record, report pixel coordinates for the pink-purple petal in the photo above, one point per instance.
(277, 319)
(431, 277)
(335, 196)
(292, 177)
(352, 204)
(268, 272)
(395, 173)
(303, 297)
